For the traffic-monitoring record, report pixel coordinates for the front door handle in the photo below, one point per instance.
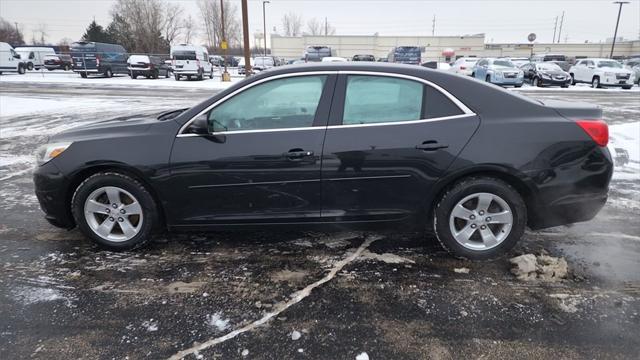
(297, 154)
(431, 145)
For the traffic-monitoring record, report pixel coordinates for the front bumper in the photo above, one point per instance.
(614, 81)
(555, 82)
(50, 187)
(508, 81)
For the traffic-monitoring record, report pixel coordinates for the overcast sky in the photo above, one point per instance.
(501, 21)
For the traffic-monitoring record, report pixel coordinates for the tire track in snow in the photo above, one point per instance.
(282, 306)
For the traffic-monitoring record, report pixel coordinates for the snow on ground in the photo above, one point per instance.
(576, 87)
(67, 77)
(627, 137)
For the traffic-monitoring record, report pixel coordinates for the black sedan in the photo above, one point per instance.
(546, 73)
(151, 67)
(335, 144)
(58, 61)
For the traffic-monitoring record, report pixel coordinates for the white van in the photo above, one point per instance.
(190, 61)
(33, 57)
(10, 60)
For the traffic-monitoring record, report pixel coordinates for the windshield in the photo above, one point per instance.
(138, 59)
(471, 61)
(266, 61)
(184, 55)
(548, 67)
(407, 52)
(505, 63)
(609, 63)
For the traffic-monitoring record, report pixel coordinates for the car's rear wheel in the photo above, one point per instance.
(536, 82)
(626, 87)
(108, 73)
(115, 211)
(67, 68)
(177, 77)
(200, 74)
(479, 218)
(29, 66)
(488, 78)
(595, 83)
(21, 70)
(211, 74)
(573, 79)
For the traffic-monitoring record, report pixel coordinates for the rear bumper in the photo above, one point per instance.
(577, 209)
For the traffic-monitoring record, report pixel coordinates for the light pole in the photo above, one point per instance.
(264, 24)
(615, 33)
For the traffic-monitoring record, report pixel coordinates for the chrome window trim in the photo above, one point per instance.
(466, 111)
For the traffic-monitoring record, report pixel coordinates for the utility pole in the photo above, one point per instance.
(555, 27)
(615, 33)
(245, 37)
(433, 26)
(264, 24)
(561, 22)
(223, 45)
(326, 27)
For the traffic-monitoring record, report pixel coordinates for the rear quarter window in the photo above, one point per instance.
(437, 105)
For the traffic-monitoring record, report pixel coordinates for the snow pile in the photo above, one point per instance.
(530, 267)
(217, 322)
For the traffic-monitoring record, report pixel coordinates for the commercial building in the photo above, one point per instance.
(442, 47)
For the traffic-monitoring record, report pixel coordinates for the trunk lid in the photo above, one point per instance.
(574, 110)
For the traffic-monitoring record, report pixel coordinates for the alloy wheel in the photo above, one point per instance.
(113, 213)
(481, 221)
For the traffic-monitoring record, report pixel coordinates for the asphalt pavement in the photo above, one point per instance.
(299, 294)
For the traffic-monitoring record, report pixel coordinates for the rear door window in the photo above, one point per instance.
(438, 105)
(379, 99)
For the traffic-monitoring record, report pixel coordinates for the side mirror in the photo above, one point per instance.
(16, 56)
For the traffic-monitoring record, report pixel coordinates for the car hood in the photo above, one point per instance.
(115, 127)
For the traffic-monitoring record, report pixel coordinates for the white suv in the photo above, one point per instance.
(601, 72)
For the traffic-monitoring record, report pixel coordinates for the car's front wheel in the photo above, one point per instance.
(115, 211)
(479, 218)
(595, 83)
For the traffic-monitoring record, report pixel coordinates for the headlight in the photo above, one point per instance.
(497, 73)
(520, 73)
(49, 151)
(545, 75)
(609, 74)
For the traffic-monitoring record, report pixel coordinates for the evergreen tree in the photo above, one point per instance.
(96, 33)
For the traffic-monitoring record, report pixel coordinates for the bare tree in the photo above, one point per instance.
(173, 22)
(291, 24)
(190, 29)
(211, 19)
(317, 27)
(10, 33)
(39, 34)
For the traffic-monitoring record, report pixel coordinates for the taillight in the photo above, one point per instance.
(97, 61)
(151, 66)
(598, 130)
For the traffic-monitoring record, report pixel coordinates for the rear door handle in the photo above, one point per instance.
(431, 145)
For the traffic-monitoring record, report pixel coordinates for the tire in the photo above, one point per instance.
(67, 68)
(142, 226)
(211, 74)
(29, 66)
(536, 82)
(188, 77)
(573, 79)
(488, 79)
(177, 77)
(464, 192)
(108, 73)
(518, 85)
(200, 75)
(564, 86)
(166, 75)
(156, 74)
(627, 87)
(83, 75)
(134, 76)
(50, 69)
(595, 83)
(21, 70)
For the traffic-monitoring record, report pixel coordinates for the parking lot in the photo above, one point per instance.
(310, 294)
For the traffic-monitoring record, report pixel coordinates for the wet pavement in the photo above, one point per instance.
(303, 294)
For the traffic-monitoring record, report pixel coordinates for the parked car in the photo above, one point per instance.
(601, 72)
(190, 61)
(564, 65)
(464, 65)
(10, 60)
(33, 56)
(316, 53)
(216, 60)
(436, 65)
(333, 59)
(262, 63)
(519, 61)
(58, 61)
(633, 64)
(498, 71)
(241, 65)
(548, 57)
(310, 145)
(546, 73)
(98, 58)
(405, 55)
(151, 67)
(363, 57)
